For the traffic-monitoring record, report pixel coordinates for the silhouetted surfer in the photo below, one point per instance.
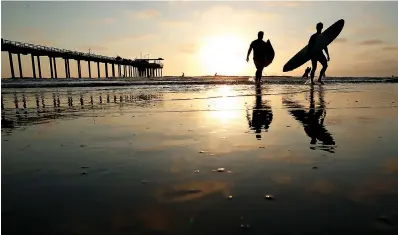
(312, 120)
(259, 54)
(262, 114)
(307, 71)
(318, 56)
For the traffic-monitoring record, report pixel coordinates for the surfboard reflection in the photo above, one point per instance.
(313, 120)
(261, 115)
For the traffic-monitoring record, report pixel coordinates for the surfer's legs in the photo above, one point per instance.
(259, 66)
(314, 64)
(259, 72)
(324, 63)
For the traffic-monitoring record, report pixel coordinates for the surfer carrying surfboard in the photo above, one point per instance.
(319, 56)
(263, 54)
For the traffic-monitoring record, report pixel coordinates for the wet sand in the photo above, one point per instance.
(144, 160)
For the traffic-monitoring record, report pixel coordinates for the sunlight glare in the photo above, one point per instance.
(223, 106)
(224, 55)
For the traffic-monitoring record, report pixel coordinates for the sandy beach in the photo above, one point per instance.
(200, 159)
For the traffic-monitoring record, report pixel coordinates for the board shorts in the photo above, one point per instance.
(261, 63)
(319, 57)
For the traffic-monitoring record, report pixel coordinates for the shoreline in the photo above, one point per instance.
(93, 82)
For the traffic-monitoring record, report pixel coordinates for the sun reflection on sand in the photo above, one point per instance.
(223, 106)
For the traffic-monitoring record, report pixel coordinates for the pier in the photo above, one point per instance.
(124, 67)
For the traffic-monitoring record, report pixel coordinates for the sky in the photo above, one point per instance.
(204, 38)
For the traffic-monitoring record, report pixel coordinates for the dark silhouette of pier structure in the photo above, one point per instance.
(131, 68)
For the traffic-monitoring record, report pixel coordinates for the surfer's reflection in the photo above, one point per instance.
(312, 120)
(262, 114)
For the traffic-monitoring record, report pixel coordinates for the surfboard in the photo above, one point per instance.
(323, 40)
(269, 53)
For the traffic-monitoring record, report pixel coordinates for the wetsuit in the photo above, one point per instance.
(319, 56)
(259, 53)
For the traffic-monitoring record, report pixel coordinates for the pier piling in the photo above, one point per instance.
(11, 65)
(20, 65)
(79, 69)
(55, 68)
(89, 69)
(33, 66)
(51, 67)
(66, 68)
(67, 63)
(39, 66)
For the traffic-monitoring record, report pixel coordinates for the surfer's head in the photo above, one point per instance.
(319, 27)
(260, 35)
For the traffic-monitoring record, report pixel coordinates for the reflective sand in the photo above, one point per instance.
(144, 160)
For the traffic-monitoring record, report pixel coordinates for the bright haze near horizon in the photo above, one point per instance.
(204, 38)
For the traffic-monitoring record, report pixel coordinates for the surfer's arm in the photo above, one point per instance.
(248, 52)
(327, 52)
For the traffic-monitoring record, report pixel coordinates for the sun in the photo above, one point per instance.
(223, 55)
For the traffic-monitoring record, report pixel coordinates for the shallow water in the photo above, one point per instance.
(182, 81)
(125, 160)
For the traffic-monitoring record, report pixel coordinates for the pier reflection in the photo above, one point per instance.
(261, 116)
(312, 120)
(41, 106)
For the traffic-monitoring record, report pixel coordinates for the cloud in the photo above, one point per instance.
(30, 35)
(284, 4)
(371, 42)
(42, 42)
(25, 32)
(106, 21)
(188, 48)
(174, 24)
(225, 18)
(340, 40)
(30, 31)
(364, 31)
(376, 66)
(390, 48)
(94, 48)
(145, 14)
(131, 38)
(226, 13)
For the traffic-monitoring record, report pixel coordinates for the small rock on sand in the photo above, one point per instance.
(269, 197)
